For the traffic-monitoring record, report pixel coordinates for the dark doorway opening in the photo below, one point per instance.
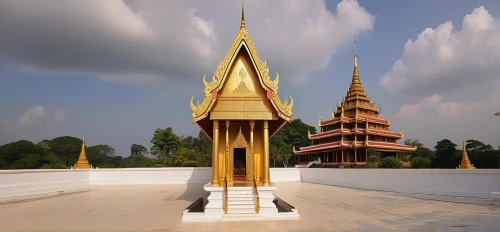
(240, 164)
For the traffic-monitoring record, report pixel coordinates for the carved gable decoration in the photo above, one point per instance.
(211, 89)
(240, 141)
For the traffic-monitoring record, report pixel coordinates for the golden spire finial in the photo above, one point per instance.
(355, 74)
(355, 60)
(242, 14)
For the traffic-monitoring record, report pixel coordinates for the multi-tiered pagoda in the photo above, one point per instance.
(354, 128)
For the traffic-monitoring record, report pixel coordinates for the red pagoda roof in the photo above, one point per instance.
(359, 144)
(360, 119)
(335, 132)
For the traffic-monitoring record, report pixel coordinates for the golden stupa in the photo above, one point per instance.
(465, 164)
(83, 162)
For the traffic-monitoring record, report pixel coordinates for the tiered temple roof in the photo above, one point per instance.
(83, 162)
(356, 124)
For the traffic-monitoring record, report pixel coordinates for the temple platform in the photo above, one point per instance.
(244, 203)
(158, 208)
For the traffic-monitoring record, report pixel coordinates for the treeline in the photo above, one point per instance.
(171, 150)
(445, 154)
(58, 153)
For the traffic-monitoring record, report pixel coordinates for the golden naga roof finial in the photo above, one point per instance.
(320, 120)
(242, 13)
(308, 134)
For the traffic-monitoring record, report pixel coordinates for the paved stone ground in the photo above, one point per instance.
(158, 208)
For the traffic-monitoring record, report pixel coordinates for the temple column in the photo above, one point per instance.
(252, 126)
(342, 156)
(215, 154)
(366, 155)
(355, 156)
(266, 153)
(227, 159)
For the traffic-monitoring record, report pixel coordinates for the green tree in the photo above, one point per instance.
(66, 148)
(165, 142)
(281, 144)
(104, 150)
(420, 162)
(447, 155)
(390, 162)
(422, 152)
(138, 150)
(481, 155)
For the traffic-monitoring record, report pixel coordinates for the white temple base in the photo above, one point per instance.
(214, 210)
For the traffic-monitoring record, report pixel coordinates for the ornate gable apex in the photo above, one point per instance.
(242, 40)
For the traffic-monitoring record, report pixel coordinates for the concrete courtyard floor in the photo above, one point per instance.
(158, 208)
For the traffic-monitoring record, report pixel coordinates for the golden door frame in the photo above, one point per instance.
(240, 142)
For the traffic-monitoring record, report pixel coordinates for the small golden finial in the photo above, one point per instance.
(242, 13)
(355, 60)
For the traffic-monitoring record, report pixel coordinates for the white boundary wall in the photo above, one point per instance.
(466, 186)
(23, 184)
(458, 185)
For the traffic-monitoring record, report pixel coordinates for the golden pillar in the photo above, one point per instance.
(215, 155)
(252, 126)
(266, 153)
(226, 154)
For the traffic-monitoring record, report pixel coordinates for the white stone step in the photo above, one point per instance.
(240, 211)
(239, 192)
(231, 200)
(240, 188)
(243, 206)
(240, 197)
(242, 217)
(241, 202)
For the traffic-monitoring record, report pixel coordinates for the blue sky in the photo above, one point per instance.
(116, 89)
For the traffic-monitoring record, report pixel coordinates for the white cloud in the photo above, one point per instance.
(32, 116)
(444, 59)
(433, 119)
(454, 77)
(151, 41)
(35, 116)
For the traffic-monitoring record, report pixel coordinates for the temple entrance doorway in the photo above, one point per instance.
(240, 164)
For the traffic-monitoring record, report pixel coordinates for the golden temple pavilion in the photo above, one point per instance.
(354, 128)
(240, 111)
(83, 162)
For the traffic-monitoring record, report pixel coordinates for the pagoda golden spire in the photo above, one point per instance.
(355, 74)
(83, 162)
(465, 164)
(242, 13)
